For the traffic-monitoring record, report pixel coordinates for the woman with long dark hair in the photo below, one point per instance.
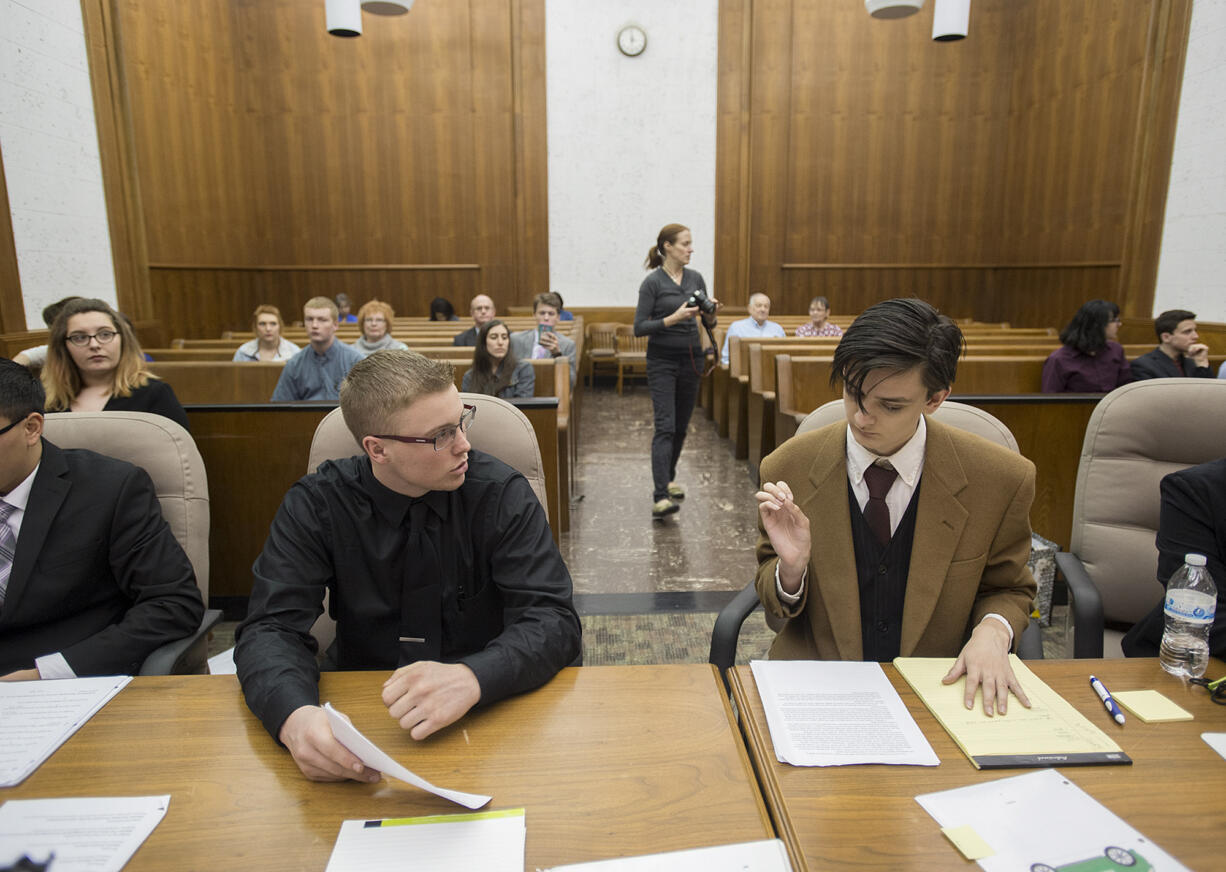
(667, 314)
(1089, 360)
(495, 370)
(94, 364)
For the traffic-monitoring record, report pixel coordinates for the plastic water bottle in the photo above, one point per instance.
(1191, 597)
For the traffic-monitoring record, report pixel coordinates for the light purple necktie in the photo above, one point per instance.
(8, 544)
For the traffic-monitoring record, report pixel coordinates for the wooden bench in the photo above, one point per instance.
(253, 454)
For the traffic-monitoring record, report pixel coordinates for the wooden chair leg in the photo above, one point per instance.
(619, 378)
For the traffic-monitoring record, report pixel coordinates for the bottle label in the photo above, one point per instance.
(1189, 605)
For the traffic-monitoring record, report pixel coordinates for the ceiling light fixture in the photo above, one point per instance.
(893, 8)
(950, 20)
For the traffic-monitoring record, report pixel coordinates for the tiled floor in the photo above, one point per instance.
(614, 545)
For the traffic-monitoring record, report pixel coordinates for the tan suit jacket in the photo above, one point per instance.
(968, 559)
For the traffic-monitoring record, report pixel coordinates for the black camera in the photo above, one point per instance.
(700, 299)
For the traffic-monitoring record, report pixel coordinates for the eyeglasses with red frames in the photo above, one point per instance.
(445, 437)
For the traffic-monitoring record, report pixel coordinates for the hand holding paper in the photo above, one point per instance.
(374, 757)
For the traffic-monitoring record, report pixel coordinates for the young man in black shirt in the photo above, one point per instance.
(438, 560)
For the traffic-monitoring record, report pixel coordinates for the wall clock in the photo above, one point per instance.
(631, 40)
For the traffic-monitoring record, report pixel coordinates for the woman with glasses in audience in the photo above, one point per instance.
(1089, 361)
(94, 364)
(495, 370)
(375, 319)
(268, 343)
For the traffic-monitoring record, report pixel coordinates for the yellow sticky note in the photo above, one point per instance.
(1151, 706)
(969, 842)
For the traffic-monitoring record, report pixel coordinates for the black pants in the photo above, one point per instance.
(673, 382)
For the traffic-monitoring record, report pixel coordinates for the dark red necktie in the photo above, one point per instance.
(876, 512)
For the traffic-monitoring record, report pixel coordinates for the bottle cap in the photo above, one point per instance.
(1194, 559)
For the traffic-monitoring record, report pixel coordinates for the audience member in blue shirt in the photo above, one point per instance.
(343, 315)
(316, 372)
(755, 325)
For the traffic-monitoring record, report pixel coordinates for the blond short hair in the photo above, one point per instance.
(321, 303)
(383, 384)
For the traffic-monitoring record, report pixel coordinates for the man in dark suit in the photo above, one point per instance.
(483, 311)
(922, 530)
(1179, 352)
(1192, 520)
(92, 580)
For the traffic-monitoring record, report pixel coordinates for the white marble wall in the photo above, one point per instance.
(1192, 268)
(631, 141)
(49, 143)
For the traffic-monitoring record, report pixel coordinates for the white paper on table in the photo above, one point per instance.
(1216, 741)
(1040, 817)
(492, 841)
(837, 713)
(36, 717)
(86, 835)
(376, 758)
(223, 663)
(768, 855)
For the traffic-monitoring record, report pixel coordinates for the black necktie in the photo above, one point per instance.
(421, 602)
(876, 512)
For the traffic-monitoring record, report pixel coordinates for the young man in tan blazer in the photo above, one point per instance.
(891, 534)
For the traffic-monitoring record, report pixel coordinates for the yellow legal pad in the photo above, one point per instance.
(1050, 733)
(1151, 706)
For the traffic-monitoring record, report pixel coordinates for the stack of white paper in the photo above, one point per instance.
(1043, 820)
(85, 835)
(492, 841)
(764, 856)
(837, 713)
(36, 717)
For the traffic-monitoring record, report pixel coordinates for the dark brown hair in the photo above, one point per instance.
(669, 234)
(898, 335)
(490, 377)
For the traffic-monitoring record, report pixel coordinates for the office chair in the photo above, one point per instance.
(166, 451)
(500, 430)
(730, 619)
(1137, 434)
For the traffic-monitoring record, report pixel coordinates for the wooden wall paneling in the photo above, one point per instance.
(12, 304)
(493, 202)
(200, 303)
(278, 162)
(769, 125)
(1151, 171)
(530, 243)
(732, 150)
(1048, 296)
(247, 481)
(894, 139)
(1072, 124)
(120, 180)
(996, 176)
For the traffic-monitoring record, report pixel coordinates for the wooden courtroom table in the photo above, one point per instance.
(606, 761)
(866, 817)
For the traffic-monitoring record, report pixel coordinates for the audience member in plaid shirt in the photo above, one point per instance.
(819, 311)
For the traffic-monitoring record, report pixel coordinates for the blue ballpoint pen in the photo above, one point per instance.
(1105, 696)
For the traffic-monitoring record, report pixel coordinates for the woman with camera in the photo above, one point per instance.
(671, 299)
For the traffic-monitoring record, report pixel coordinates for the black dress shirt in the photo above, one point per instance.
(498, 598)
